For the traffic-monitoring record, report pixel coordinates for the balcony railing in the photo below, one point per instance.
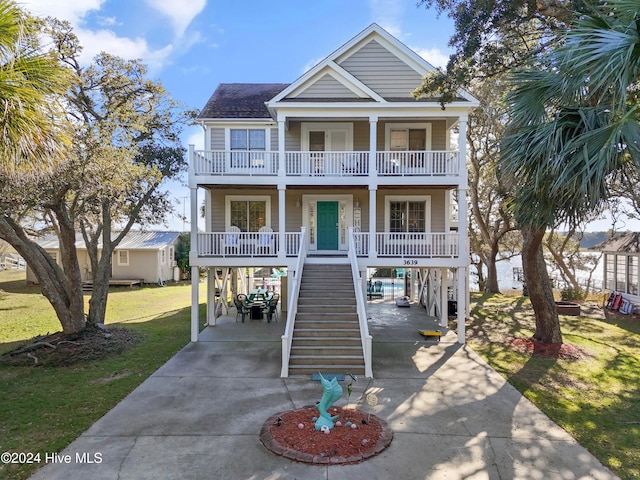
(246, 244)
(417, 244)
(390, 245)
(337, 164)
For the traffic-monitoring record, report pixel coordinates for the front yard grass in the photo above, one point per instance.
(43, 409)
(596, 399)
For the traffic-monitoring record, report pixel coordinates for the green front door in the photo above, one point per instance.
(327, 225)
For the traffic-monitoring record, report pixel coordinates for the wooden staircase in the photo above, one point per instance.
(326, 335)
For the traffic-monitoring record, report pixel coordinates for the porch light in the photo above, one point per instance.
(298, 203)
(357, 204)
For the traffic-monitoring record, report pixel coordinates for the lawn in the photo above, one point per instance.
(596, 399)
(42, 409)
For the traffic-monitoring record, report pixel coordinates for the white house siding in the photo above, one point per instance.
(382, 71)
(326, 87)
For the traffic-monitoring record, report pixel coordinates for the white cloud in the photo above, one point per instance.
(96, 41)
(388, 14)
(434, 56)
(72, 10)
(179, 12)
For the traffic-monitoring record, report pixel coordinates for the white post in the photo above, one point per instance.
(462, 303)
(195, 271)
(282, 171)
(444, 298)
(282, 253)
(373, 145)
(462, 296)
(372, 222)
(195, 302)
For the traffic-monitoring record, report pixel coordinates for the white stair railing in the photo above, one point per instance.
(365, 336)
(292, 307)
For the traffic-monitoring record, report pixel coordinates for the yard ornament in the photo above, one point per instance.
(332, 392)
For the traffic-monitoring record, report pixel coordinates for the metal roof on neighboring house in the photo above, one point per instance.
(132, 241)
(241, 100)
(622, 243)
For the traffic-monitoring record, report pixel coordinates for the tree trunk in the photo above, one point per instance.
(539, 286)
(101, 261)
(492, 285)
(62, 288)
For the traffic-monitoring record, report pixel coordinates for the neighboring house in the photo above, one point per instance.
(145, 256)
(342, 166)
(620, 265)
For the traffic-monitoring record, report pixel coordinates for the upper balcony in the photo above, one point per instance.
(434, 167)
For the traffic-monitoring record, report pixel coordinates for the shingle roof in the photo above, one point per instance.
(623, 243)
(241, 100)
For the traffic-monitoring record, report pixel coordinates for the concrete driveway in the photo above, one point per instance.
(199, 416)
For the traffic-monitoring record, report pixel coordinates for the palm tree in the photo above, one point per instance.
(30, 80)
(574, 126)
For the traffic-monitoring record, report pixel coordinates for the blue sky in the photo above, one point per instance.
(193, 45)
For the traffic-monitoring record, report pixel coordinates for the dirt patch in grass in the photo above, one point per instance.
(60, 350)
(563, 351)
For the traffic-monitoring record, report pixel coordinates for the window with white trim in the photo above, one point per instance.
(249, 214)
(123, 258)
(247, 142)
(163, 256)
(408, 214)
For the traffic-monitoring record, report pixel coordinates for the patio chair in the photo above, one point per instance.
(265, 241)
(232, 240)
(374, 290)
(272, 308)
(241, 307)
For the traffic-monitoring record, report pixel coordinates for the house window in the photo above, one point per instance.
(248, 142)
(414, 139)
(163, 257)
(123, 258)
(248, 213)
(610, 268)
(408, 216)
(172, 255)
(621, 273)
(632, 275)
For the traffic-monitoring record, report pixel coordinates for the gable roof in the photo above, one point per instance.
(241, 100)
(132, 241)
(622, 243)
(372, 67)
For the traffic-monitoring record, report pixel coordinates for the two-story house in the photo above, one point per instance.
(340, 171)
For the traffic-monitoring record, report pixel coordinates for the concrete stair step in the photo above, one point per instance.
(323, 324)
(326, 360)
(308, 332)
(305, 370)
(326, 350)
(324, 309)
(314, 341)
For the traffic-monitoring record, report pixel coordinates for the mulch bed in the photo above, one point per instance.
(60, 350)
(563, 351)
(281, 434)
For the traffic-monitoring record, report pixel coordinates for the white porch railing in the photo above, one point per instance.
(361, 243)
(358, 286)
(236, 244)
(235, 162)
(416, 244)
(327, 163)
(292, 307)
(428, 163)
(336, 164)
